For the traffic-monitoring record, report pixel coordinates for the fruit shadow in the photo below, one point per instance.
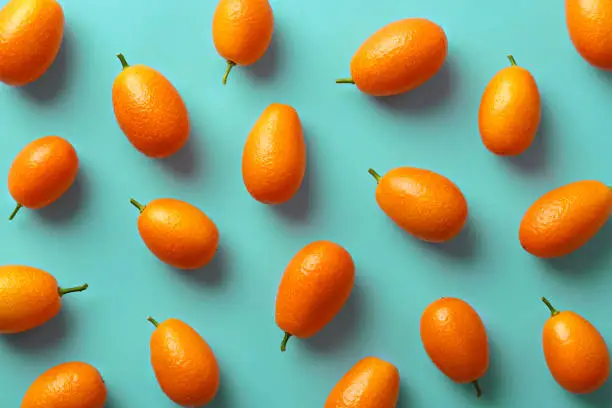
(299, 208)
(601, 398)
(185, 162)
(493, 381)
(223, 398)
(45, 337)
(67, 206)
(52, 83)
(432, 93)
(111, 399)
(592, 257)
(403, 400)
(463, 246)
(213, 274)
(268, 65)
(535, 158)
(342, 328)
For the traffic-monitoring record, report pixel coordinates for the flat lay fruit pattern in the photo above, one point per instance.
(327, 291)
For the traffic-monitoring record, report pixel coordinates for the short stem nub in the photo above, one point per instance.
(375, 175)
(477, 387)
(230, 65)
(124, 62)
(153, 321)
(15, 211)
(553, 311)
(284, 342)
(65, 291)
(137, 205)
(512, 60)
(345, 81)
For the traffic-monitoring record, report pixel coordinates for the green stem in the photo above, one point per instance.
(553, 311)
(512, 60)
(15, 211)
(137, 205)
(345, 81)
(284, 342)
(124, 62)
(478, 390)
(153, 321)
(230, 65)
(375, 175)
(63, 291)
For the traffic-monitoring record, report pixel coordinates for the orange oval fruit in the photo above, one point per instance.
(566, 218)
(274, 157)
(177, 232)
(184, 364)
(425, 204)
(242, 31)
(510, 111)
(42, 172)
(314, 287)
(371, 383)
(399, 57)
(455, 339)
(150, 111)
(31, 33)
(29, 297)
(68, 385)
(589, 23)
(576, 354)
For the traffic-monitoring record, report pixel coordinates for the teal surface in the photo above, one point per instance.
(90, 235)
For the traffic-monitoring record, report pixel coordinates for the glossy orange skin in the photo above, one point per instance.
(29, 297)
(274, 156)
(184, 364)
(68, 385)
(589, 23)
(422, 202)
(510, 112)
(565, 219)
(150, 111)
(455, 339)
(316, 284)
(399, 57)
(242, 30)
(371, 383)
(576, 354)
(43, 171)
(31, 33)
(178, 233)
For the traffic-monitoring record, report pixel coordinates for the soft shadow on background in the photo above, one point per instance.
(299, 208)
(494, 379)
(111, 399)
(601, 398)
(185, 163)
(50, 335)
(53, 82)
(222, 399)
(214, 274)
(463, 246)
(404, 400)
(67, 206)
(267, 67)
(588, 260)
(536, 157)
(341, 329)
(434, 92)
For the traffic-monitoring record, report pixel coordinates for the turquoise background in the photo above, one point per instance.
(90, 235)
